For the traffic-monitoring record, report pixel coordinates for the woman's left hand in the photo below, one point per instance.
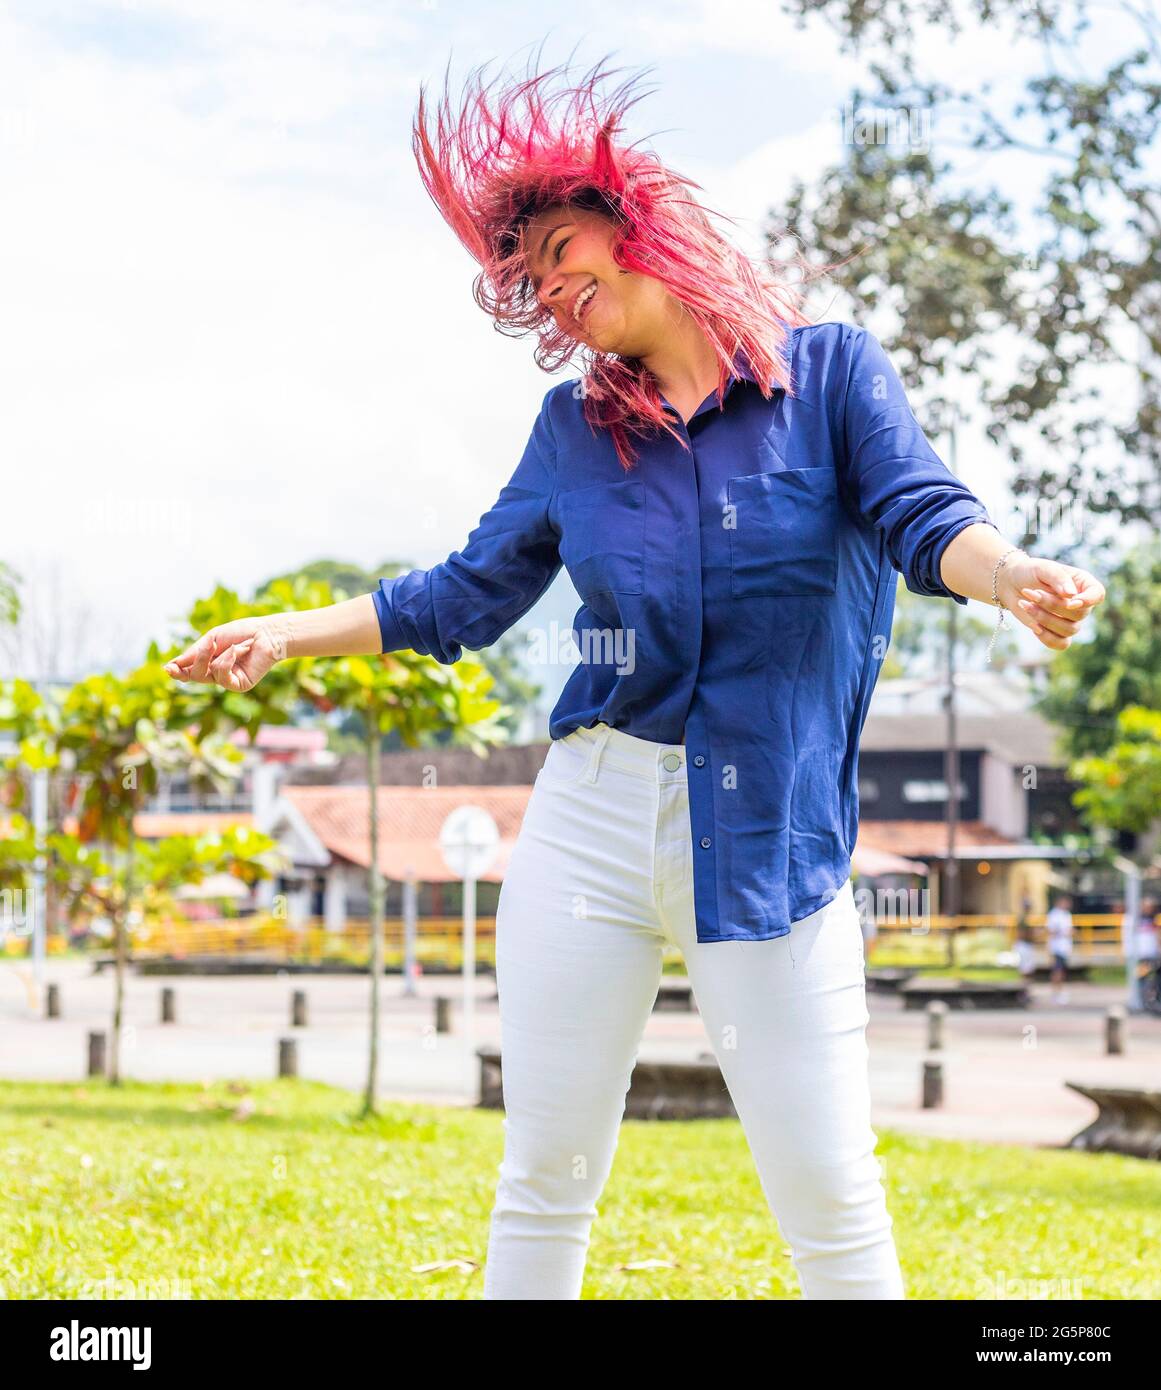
(1050, 598)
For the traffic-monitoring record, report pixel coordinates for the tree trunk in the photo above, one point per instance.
(376, 905)
(120, 940)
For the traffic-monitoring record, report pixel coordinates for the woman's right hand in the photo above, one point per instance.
(234, 655)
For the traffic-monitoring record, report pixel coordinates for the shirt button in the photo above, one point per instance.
(705, 842)
(699, 761)
(671, 762)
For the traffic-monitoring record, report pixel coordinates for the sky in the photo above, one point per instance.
(237, 335)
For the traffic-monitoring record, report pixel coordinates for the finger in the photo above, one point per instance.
(1046, 636)
(224, 663)
(224, 669)
(184, 660)
(1050, 639)
(192, 663)
(237, 676)
(1073, 606)
(1055, 579)
(1060, 581)
(1044, 621)
(205, 652)
(1091, 589)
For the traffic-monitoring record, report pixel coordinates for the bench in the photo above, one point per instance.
(659, 1090)
(1128, 1121)
(1072, 971)
(675, 994)
(964, 994)
(886, 980)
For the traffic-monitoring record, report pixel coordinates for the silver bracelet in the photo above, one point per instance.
(1002, 616)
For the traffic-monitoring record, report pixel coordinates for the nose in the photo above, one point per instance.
(549, 293)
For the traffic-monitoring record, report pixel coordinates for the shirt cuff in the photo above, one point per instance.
(392, 638)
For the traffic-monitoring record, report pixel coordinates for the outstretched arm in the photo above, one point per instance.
(938, 533)
(236, 655)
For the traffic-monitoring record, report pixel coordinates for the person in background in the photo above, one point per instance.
(1147, 943)
(1058, 924)
(1025, 941)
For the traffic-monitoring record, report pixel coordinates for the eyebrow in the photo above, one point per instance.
(543, 247)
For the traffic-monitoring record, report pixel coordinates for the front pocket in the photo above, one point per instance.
(783, 541)
(566, 761)
(602, 537)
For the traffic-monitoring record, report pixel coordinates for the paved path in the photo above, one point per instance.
(1003, 1071)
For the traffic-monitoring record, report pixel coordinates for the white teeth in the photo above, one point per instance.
(582, 299)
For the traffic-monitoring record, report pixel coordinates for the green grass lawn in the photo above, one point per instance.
(275, 1190)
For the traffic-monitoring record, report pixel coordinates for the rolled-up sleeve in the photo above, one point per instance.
(896, 479)
(476, 594)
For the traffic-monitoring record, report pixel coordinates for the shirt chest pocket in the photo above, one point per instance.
(783, 533)
(602, 537)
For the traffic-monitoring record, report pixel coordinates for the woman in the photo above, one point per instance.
(732, 490)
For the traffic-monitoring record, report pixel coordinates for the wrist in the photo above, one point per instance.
(1011, 577)
(280, 634)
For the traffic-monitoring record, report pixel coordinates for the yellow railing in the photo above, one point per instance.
(1096, 937)
(437, 940)
(966, 939)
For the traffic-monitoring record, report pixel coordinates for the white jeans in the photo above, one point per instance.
(600, 878)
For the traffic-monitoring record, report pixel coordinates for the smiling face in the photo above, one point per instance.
(568, 255)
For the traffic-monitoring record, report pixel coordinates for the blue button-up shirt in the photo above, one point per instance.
(739, 594)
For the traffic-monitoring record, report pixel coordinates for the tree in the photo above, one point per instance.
(9, 596)
(502, 659)
(1075, 289)
(114, 736)
(345, 578)
(1121, 788)
(398, 693)
(1118, 668)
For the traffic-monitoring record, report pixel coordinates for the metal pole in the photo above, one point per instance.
(1132, 918)
(40, 865)
(951, 763)
(469, 971)
(410, 913)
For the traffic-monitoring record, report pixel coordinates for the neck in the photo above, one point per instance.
(683, 362)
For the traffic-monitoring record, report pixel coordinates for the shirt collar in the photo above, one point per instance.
(741, 370)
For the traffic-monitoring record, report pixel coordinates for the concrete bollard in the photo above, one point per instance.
(442, 1014)
(96, 1054)
(287, 1056)
(52, 1001)
(298, 1009)
(932, 1085)
(1115, 1030)
(936, 1013)
(168, 1004)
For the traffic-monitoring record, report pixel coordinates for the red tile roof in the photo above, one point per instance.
(409, 824)
(927, 839)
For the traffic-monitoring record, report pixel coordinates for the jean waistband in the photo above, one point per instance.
(641, 757)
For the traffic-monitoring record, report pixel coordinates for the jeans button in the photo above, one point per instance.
(671, 762)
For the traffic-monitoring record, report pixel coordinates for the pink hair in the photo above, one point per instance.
(501, 160)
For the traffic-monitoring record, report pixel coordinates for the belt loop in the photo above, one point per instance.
(595, 754)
